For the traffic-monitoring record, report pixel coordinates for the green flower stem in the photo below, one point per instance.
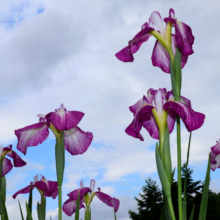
(60, 202)
(170, 204)
(179, 168)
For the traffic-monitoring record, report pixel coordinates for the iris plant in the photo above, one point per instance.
(86, 196)
(157, 109)
(45, 187)
(166, 43)
(76, 140)
(6, 163)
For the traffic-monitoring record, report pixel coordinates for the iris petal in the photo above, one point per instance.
(23, 191)
(77, 141)
(69, 207)
(6, 166)
(31, 136)
(192, 120)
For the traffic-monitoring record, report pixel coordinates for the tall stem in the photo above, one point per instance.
(60, 202)
(179, 167)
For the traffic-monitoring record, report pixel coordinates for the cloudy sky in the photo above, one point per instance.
(54, 52)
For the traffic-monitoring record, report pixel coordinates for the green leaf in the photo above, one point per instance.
(177, 71)
(4, 215)
(41, 209)
(60, 158)
(203, 206)
(185, 180)
(3, 187)
(22, 216)
(167, 157)
(162, 174)
(30, 201)
(77, 207)
(192, 213)
(29, 217)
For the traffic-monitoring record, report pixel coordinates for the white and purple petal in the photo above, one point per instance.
(23, 191)
(31, 136)
(6, 166)
(158, 22)
(18, 162)
(69, 206)
(77, 141)
(64, 120)
(192, 120)
(92, 185)
(161, 58)
(138, 105)
(50, 188)
(126, 54)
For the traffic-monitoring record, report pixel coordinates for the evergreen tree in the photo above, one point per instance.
(150, 203)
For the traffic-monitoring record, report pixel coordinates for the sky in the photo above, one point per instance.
(54, 52)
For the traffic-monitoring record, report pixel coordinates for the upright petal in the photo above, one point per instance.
(6, 166)
(77, 141)
(23, 191)
(183, 32)
(158, 22)
(69, 206)
(126, 54)
(192, 120)
(31, 136)
(64, 120)
(92, 185)
(142, 115)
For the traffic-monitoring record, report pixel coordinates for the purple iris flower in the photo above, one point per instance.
(45, 187)
(157, 109)
(6, 164)
(166, 44)
(86, 196)
(76, 140)
(215, 156)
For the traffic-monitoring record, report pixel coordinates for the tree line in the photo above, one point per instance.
(150, 201)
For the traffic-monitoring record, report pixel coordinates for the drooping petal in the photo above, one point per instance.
(49, 187)
(216, 159)
(192, 120)
(115, 203)
(171, 118)
(69, 207)
(185, 101)
(104, 198)
(161, 58)
(151, 126)
(77, 141)
(126, 54)
(64, 120)
(137, 105)
(23, 191)
(157, 21)
(31, 136)
(18, 162)
(83, 191)
(143, 114)
(6, 166)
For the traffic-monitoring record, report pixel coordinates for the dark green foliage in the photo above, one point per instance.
(150, 203)
(151, 200)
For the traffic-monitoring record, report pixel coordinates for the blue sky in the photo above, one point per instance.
(57, 52)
